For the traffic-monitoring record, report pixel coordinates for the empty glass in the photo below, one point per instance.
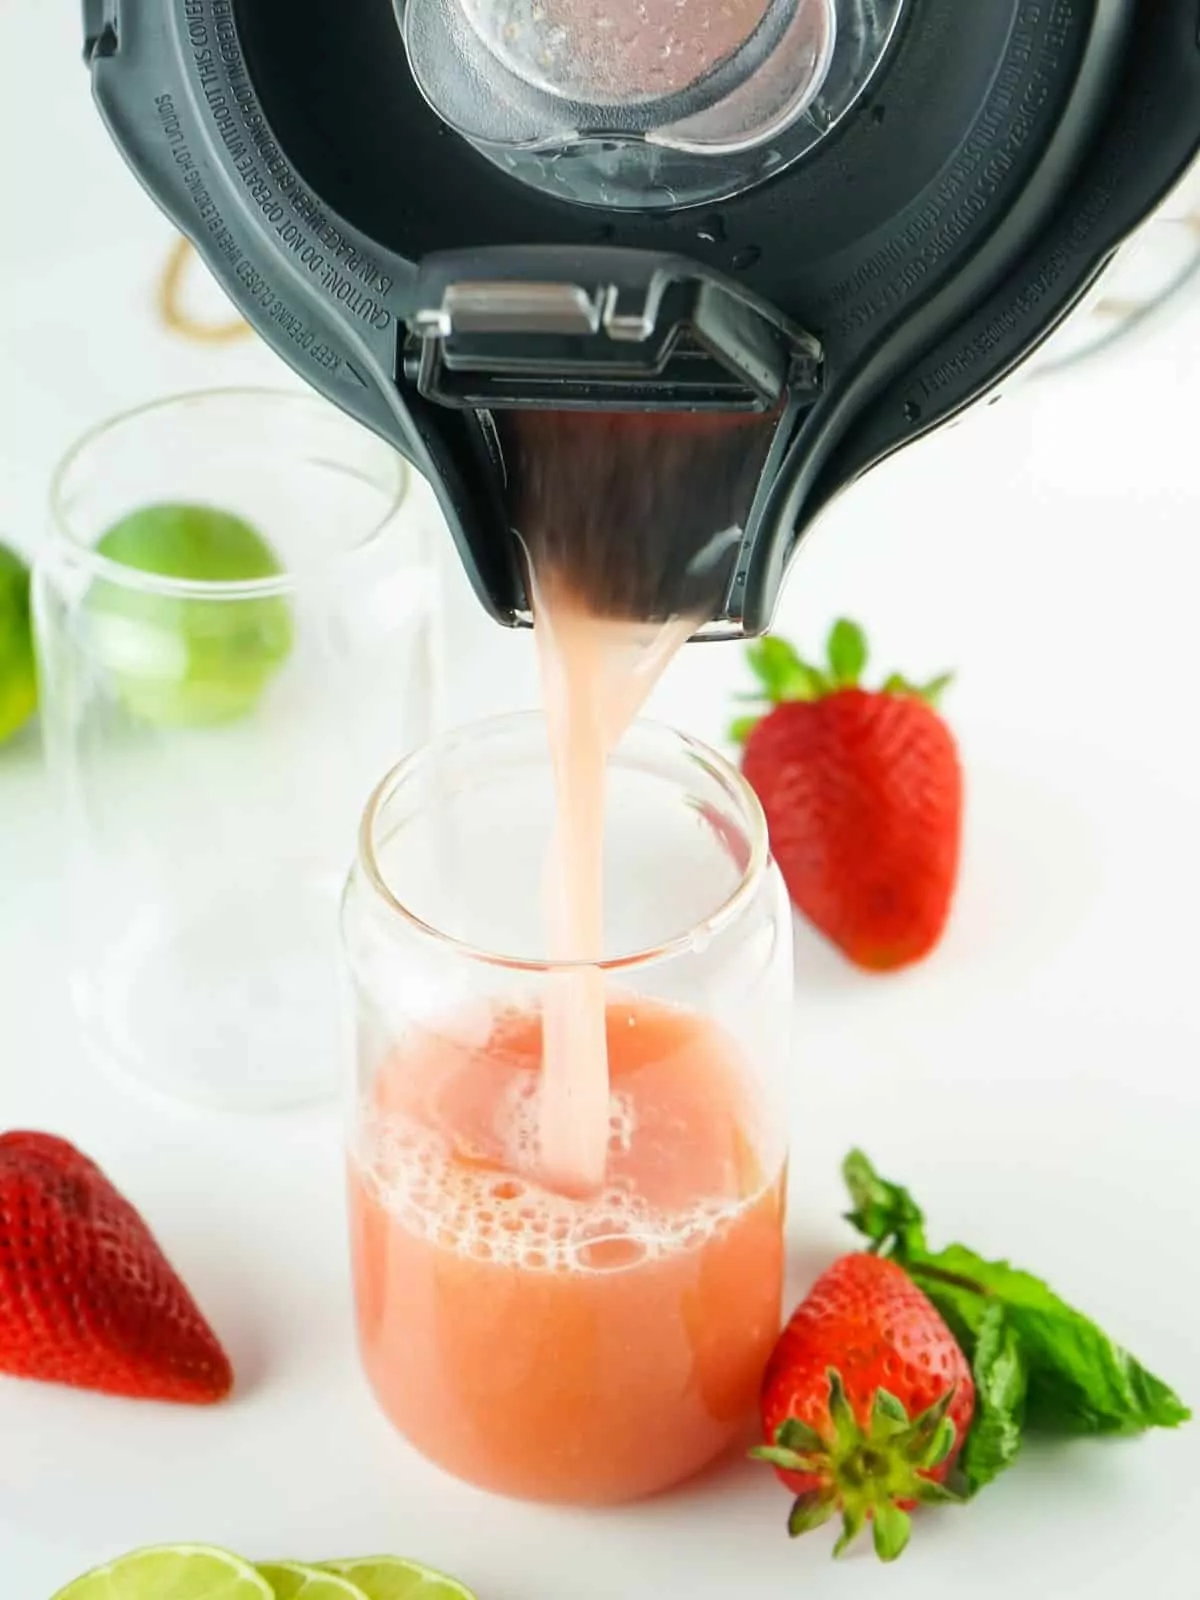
(236, 616)
(576, 1345)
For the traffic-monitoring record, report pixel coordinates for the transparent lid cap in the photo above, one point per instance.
(643, 103)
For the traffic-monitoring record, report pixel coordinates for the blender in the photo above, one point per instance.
(853, 218)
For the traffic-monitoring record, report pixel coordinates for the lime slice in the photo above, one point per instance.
(18, 677)
(389, 1578)
(292, 1581)
(179, 659)
(172, 1572)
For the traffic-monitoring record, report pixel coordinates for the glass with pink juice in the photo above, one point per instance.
(571, 1341)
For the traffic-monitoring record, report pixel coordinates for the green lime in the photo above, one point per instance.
(291, 1580)
(185, 660)
(173, 1572)
(389, 1578)
(18, 676)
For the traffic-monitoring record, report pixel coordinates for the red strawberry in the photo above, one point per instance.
(866, 1403)
(86, 1296)
(863, 796)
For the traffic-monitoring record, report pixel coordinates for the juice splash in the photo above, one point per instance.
(632, 523)
(583, 1349)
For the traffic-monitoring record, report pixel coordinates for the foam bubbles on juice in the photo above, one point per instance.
(483, 1213)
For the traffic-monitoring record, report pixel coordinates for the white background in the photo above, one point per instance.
(1038, 1082)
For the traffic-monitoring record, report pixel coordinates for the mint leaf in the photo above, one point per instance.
(884, 1213)
(1080, 1381)
(1039, 1364)
(847, 651)
(1001, 1383)
(1153, 1404)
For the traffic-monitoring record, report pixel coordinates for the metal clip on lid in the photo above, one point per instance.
(607, 329)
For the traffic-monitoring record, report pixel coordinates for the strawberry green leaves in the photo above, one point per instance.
(810, 1511)
(782, 674)
(1080, 1382)
(868, 1473)
(893, 1529)
(1040, 1366)
(934, 691)
(784, 677)
(847, 652)
(931, 693)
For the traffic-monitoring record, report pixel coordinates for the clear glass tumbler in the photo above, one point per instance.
(213, 736)
(579, 1348)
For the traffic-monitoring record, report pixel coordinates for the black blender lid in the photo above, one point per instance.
(908, 262)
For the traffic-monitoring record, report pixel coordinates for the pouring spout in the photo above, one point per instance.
(639, 516)
(631, 404)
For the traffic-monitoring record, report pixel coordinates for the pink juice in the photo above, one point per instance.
(561, 1347)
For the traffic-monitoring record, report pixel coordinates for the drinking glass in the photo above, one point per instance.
(212, 738)
(579, 1347)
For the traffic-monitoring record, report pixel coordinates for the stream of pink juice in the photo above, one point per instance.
(597, 673)
(625, 517)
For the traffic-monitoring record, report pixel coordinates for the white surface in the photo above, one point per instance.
(1038, 1083)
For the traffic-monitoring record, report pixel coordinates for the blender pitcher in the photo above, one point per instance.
(852, 217)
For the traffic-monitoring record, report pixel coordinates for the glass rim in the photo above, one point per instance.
(716, 921)
(281, 583)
